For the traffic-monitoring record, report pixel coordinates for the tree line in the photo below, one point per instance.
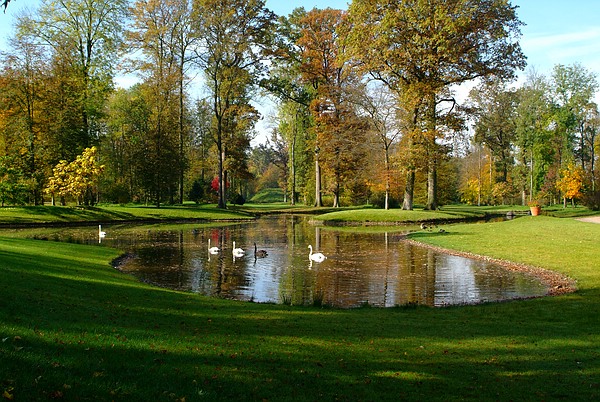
(365, 106)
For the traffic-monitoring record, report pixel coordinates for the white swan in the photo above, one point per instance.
(212, 250)
(317, 257)
(100, 232)
(237, 252)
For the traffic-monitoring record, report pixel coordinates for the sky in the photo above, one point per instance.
(555, 31)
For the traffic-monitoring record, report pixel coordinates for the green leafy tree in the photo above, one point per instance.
(159, 29)
(493, 108)
(13, 187)
(84, 35)
(533, 126)
(420, 48)
(234, 39)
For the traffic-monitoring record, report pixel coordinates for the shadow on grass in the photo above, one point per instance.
(74, 328)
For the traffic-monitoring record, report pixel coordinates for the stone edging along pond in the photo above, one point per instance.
(556, 283)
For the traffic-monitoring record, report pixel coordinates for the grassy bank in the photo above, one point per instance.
(71, 327)
(394, 216)
(29, 215)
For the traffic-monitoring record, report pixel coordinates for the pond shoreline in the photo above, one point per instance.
(70, 224)
(556, 283)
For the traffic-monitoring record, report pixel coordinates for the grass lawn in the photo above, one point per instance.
(108, 213)
(393, 216)
(73, 328)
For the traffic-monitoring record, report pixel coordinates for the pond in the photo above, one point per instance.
(377, 268)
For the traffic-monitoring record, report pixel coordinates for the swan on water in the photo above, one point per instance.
(317, 257)
(212, 250)
(259, 253)
(237, 252)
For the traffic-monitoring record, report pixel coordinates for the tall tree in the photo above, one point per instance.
(234, 37)
(156, 32)
(573, 90)
(85, 34)
(423, 47)
(294, 94)
(380, 108)
(493, 108)
(23, 84)
(334, 81)
(533, 124)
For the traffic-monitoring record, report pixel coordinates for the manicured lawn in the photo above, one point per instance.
(393, 216)
(109, 213)
(73, 328)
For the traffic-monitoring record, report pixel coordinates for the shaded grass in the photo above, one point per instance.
(110, 213)
(71, 327)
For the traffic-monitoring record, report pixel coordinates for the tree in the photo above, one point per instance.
(379, 106)
(85, 35)
(573, 89)
(77, 179)
(295, 95)
(493, 108)
(234, 37)
(533, 124)
(420, 48)
(570, 182)
(21, 97)
(334, 82)
(160, 31)
(13, 188)
(125, 145)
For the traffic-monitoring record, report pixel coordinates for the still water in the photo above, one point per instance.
(379, 269)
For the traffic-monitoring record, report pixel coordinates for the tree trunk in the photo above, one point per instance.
(293, 165)
(336, 195)
(432, 201)
(409, 190)
(318, 198)
(387, 178)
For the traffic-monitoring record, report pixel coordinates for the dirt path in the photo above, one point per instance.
(590, 219)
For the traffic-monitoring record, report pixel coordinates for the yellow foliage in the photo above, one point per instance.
(570, 182)
(77, 177)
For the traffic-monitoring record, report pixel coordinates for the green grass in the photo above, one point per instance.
(73, 328)
(106, 213)
(391, 216)
(268, 195)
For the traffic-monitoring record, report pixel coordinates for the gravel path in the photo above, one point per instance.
(591, 219)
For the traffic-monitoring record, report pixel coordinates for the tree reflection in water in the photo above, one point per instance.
(378, 269)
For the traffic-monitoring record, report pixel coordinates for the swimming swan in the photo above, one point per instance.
(237, 252)
(259, 253)
(317, 257)
(212, 250)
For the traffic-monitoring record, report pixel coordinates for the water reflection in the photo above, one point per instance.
(375, 268)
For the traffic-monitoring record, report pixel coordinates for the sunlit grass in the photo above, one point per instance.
(114, 213)
(397, 216)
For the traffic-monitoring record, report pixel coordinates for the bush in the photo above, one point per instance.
(378, 200)
(196, 193)
(237, 199)
(592, 200)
